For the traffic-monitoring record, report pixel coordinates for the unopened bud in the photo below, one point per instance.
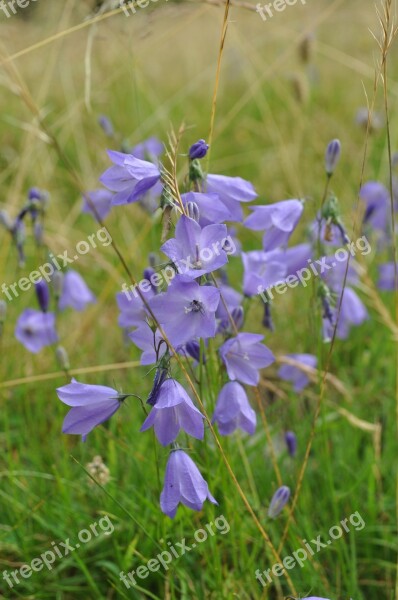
(193, 211)
(291, 442)
(62, 358)
(57, 281)
(43, 295)
(198, 150)
(332, 156)
(238, 316)
(193, 349)
(106, 125)
(279, 501)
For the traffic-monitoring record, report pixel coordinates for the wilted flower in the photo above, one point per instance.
(279, 501)
(198, 150)
(91, 406)
(233, 410)
(174, 410)
(75, 292)
(36, 329)
(291, 442)
(244, 355)
(187, 310)
(183, 483)
(98, 469)
(294, 374)
(332, 156)
(130, 178)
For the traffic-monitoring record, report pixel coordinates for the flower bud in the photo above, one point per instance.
(332, 156)
(43, 295)
(193, 350)
(57, 281)
(291, 442)
(238, 316)
(279, 501)
(6, 221)
(198, 150)
(62, 358)
(106, 125)
(193, 211)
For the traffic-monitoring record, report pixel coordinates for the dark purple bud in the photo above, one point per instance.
(279, 501)
(43, 295)
(238, 316)
(267, 319)
(106, 125)
(193, 211)
(198, 150)
(291, 442)
(193, 349)
(332, 156)
(160, 377)
(35, 194)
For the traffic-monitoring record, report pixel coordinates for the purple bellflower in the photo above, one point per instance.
(149, 149)
(196, 251)
(353, 313)
(299, 379)
(186, 310)
(262, 270)
(244, 355)
(130, 178)
(278, 220)
(233, 410)
(91, 406)
(279, 501)
(332, 156)
(377, 202)
(132, 309)
(231, 191)
(183, 483)
(43, 295)
(75, 292)
(151, 344)
(36, 329)
(101, 200)
(386, 277)
(291, 442)
(211, 209)
(174, 410)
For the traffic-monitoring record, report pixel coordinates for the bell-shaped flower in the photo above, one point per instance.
(75, 292)
(299, 378)
(233, 410)
(36, 329)
(278, 220)
(244, 355)
(231, 191)
(101, 200)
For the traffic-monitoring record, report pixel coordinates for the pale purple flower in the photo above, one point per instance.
(278, 220)
(231, 191)
(196, 251)
(231, 299)
(386, 277)
(211, 209)
(149, 149)
(75, 292)
(91, 406)
(149, 342)
(279, 501)
(299, 379)
(353, 313)
(106, 125)
(130, 178)
(36, 329)
(183, 483)
(297, 257)
(187, 310)
(244, 355)
(101, 200)
(377, 201)
(198, 150)
(132, 309)
(262, 270)
(233, 410)
(173, 411)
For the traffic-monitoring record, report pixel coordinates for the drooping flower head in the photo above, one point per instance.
(130, 177)
(75, 292)
(101, 200)
(183, 483)
(231, 191)
(278, 220)
(173, 411)
(332, 156)
(262, 270)
(244, 355)
(36, 329)
(299, 378)
(233, 410)
(91, 406)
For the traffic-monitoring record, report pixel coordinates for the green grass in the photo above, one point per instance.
(147, 72)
